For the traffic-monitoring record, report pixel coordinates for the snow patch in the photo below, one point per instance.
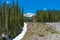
(57, 25)
(21, 35)
(29, 14)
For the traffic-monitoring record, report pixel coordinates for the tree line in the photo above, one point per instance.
(47, 16)
(11, 18)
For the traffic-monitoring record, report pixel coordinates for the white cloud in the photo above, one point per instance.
(7, 2)
(44, 9)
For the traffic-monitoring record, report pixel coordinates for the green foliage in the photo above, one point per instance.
(47, 16)
(11, 19)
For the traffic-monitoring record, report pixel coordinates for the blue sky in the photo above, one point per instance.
(33, 5)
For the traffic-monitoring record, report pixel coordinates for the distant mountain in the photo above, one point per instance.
(29, 17)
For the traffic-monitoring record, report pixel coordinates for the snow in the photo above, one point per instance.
(55, 36)
(57, 25)
(21, 35)
(29, 14)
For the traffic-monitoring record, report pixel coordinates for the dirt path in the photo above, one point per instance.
(30, 28)
(34, 29)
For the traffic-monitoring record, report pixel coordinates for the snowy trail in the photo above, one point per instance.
(21, 35)
(55, 36)
(57, 25)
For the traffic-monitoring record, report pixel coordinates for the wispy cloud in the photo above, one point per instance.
(7, 2)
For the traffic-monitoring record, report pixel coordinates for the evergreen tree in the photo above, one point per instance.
(47, 16)
(11, 18)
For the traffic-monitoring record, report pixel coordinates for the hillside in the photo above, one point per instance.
(41, 31)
